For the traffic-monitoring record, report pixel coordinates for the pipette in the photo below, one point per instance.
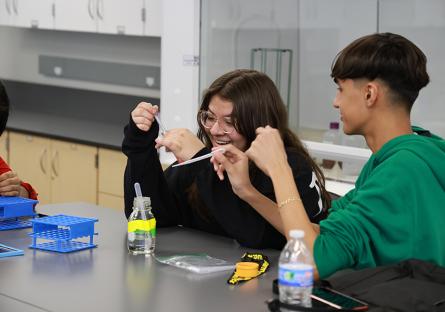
(139, 199)
(222, 150)
(161, 126)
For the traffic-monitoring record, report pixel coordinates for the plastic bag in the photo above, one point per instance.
(198, 263)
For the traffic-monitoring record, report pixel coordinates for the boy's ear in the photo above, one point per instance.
(372, 91)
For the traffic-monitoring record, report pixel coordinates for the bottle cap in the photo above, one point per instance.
(145, 200)
(334, 125)
(247, 269)
(296, 233)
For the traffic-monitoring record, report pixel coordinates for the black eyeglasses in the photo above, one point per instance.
(208, 120)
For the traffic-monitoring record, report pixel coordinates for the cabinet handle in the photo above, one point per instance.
(100, 9)
(15, 6)
(53, 164)
(42, 167)
(91, 9)
(143, 15)
(8, 7)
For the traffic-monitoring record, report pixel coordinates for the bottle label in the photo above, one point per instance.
(297, 275)
(142, 226)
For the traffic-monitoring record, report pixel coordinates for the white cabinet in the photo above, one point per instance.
(78, 15)
(153, 18)
(4, 12)
(8, 12)
(131, 17)
(121, 17)
(36, 14)
(109, 16)
(27, 13)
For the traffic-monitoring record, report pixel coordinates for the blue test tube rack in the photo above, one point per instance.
(58, 233)
(13, 212)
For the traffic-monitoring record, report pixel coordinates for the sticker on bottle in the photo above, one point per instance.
(142, 226)
(297, 275)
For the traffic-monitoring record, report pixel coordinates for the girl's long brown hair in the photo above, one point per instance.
(256, 103)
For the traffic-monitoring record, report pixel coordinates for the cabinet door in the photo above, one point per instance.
(9, 10)
(120, 17)
(5, 12)
(76, 15)
(33, 13)
(29, 157)
(111, 177)
(73, 172)
(4, 146)
(111, 171)
(153, 18)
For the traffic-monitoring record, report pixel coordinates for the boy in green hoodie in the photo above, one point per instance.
(396, 210)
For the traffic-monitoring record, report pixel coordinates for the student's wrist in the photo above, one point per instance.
(281, 171)
(247, 193)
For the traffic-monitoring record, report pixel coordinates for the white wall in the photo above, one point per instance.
(231, 29)
(179, 73)
(316, 30)
(423, 22)
(325, 28)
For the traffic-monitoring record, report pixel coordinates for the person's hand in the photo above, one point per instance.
(10, 185)
(143, 115)
(236, 164)
(181, 142)
(267, 150)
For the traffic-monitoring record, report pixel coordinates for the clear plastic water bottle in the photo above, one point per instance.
(296, 271)
(141, 237)
(331, 136)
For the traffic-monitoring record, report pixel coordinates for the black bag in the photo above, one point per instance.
(411, 285)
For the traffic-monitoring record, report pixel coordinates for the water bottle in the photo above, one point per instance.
(295, 271)
(331, 136)
(141, 237)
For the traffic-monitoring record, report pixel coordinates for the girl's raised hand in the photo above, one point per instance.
(181, 142)
(267, 150)
(143, 115)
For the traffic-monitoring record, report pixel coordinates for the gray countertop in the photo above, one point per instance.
(75, 129)
(107, 278)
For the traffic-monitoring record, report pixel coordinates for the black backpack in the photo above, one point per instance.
(411, 285)
(408, 286)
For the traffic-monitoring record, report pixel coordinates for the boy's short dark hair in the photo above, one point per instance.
(392, 58)
(4, 108)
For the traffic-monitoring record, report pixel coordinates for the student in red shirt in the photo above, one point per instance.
(10, 184)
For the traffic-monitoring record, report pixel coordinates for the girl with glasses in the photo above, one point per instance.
(194, 196)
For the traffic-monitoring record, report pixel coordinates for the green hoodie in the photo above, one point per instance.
(395, 212)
